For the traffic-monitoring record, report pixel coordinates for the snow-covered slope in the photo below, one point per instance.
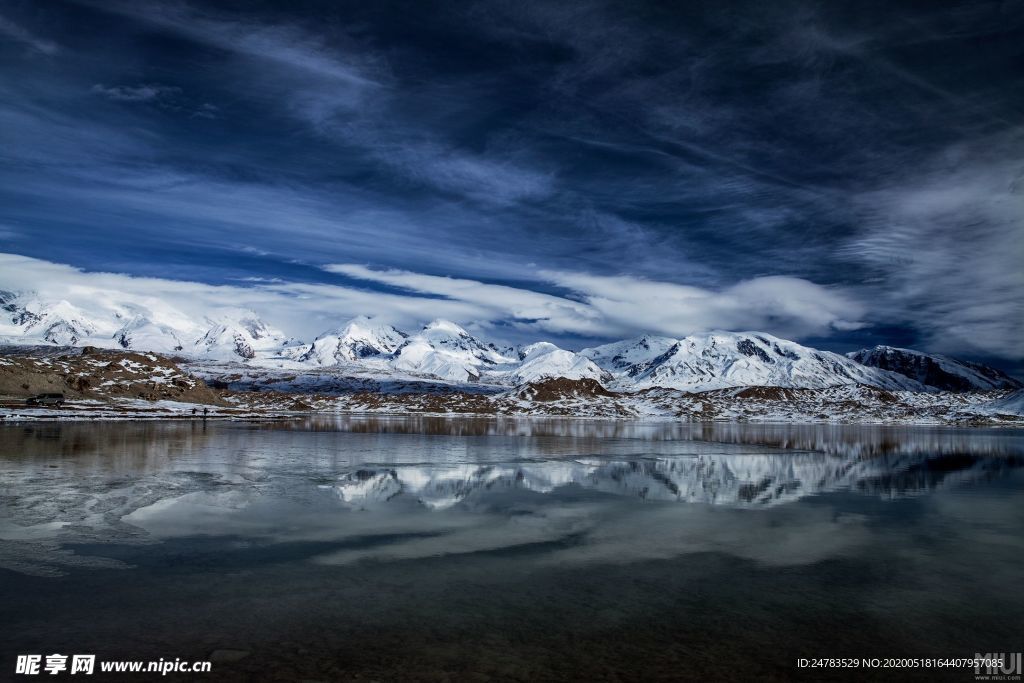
(141, 333)
(544, 360)
(360, 338)
(1011, 404)
(238, 334)
(726, 359)
(631, 356)
(54, 322)
(112, 323)
(445, 350)
(940, 372)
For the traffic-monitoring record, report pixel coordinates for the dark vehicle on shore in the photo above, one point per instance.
(46, 400)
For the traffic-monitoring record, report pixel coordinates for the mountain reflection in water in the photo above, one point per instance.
(746, 479)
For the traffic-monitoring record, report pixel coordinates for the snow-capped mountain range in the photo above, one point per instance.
(724, 360)
(227, 333)
(443, 350)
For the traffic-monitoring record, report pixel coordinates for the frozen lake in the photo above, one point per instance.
(518, 549)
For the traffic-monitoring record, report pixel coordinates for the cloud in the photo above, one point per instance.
(345, 93)
(503, 303)
(23, 35)
(302, 309)
(786, 306)
(206, 111)
(280, 44)
(139, 93)
(448, 169)
(166, 97)
(607, 306)
(946, 245)
(111, 175)
(599, 307)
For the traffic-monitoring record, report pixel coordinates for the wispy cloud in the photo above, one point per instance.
(603, 306)
(484, 178)
(787, 306)
(26, 37)
(285, 45)
(166, 97)
(947, 247)
(504, 304)
(349, 97)
(206, 111)
(138, 93)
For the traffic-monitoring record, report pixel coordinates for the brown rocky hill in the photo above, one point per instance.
(558, 388)
(99, 374)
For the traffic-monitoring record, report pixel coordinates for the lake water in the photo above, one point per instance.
(486, 549)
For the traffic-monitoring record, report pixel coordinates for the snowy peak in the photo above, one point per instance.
(544, 360)
(932, 370)
(445, 350)
(441, 328)
(108, 324)
(724, 360)
(535, 350)
(631, 356)
(16, 315)
(57, 322)
(360, 338)
(446, 335)
(142, 334)
(238, 335)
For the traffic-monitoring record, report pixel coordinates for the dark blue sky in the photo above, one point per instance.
(842, 173)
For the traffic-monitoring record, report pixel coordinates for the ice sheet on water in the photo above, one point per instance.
(41, 516)
(49, 559)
